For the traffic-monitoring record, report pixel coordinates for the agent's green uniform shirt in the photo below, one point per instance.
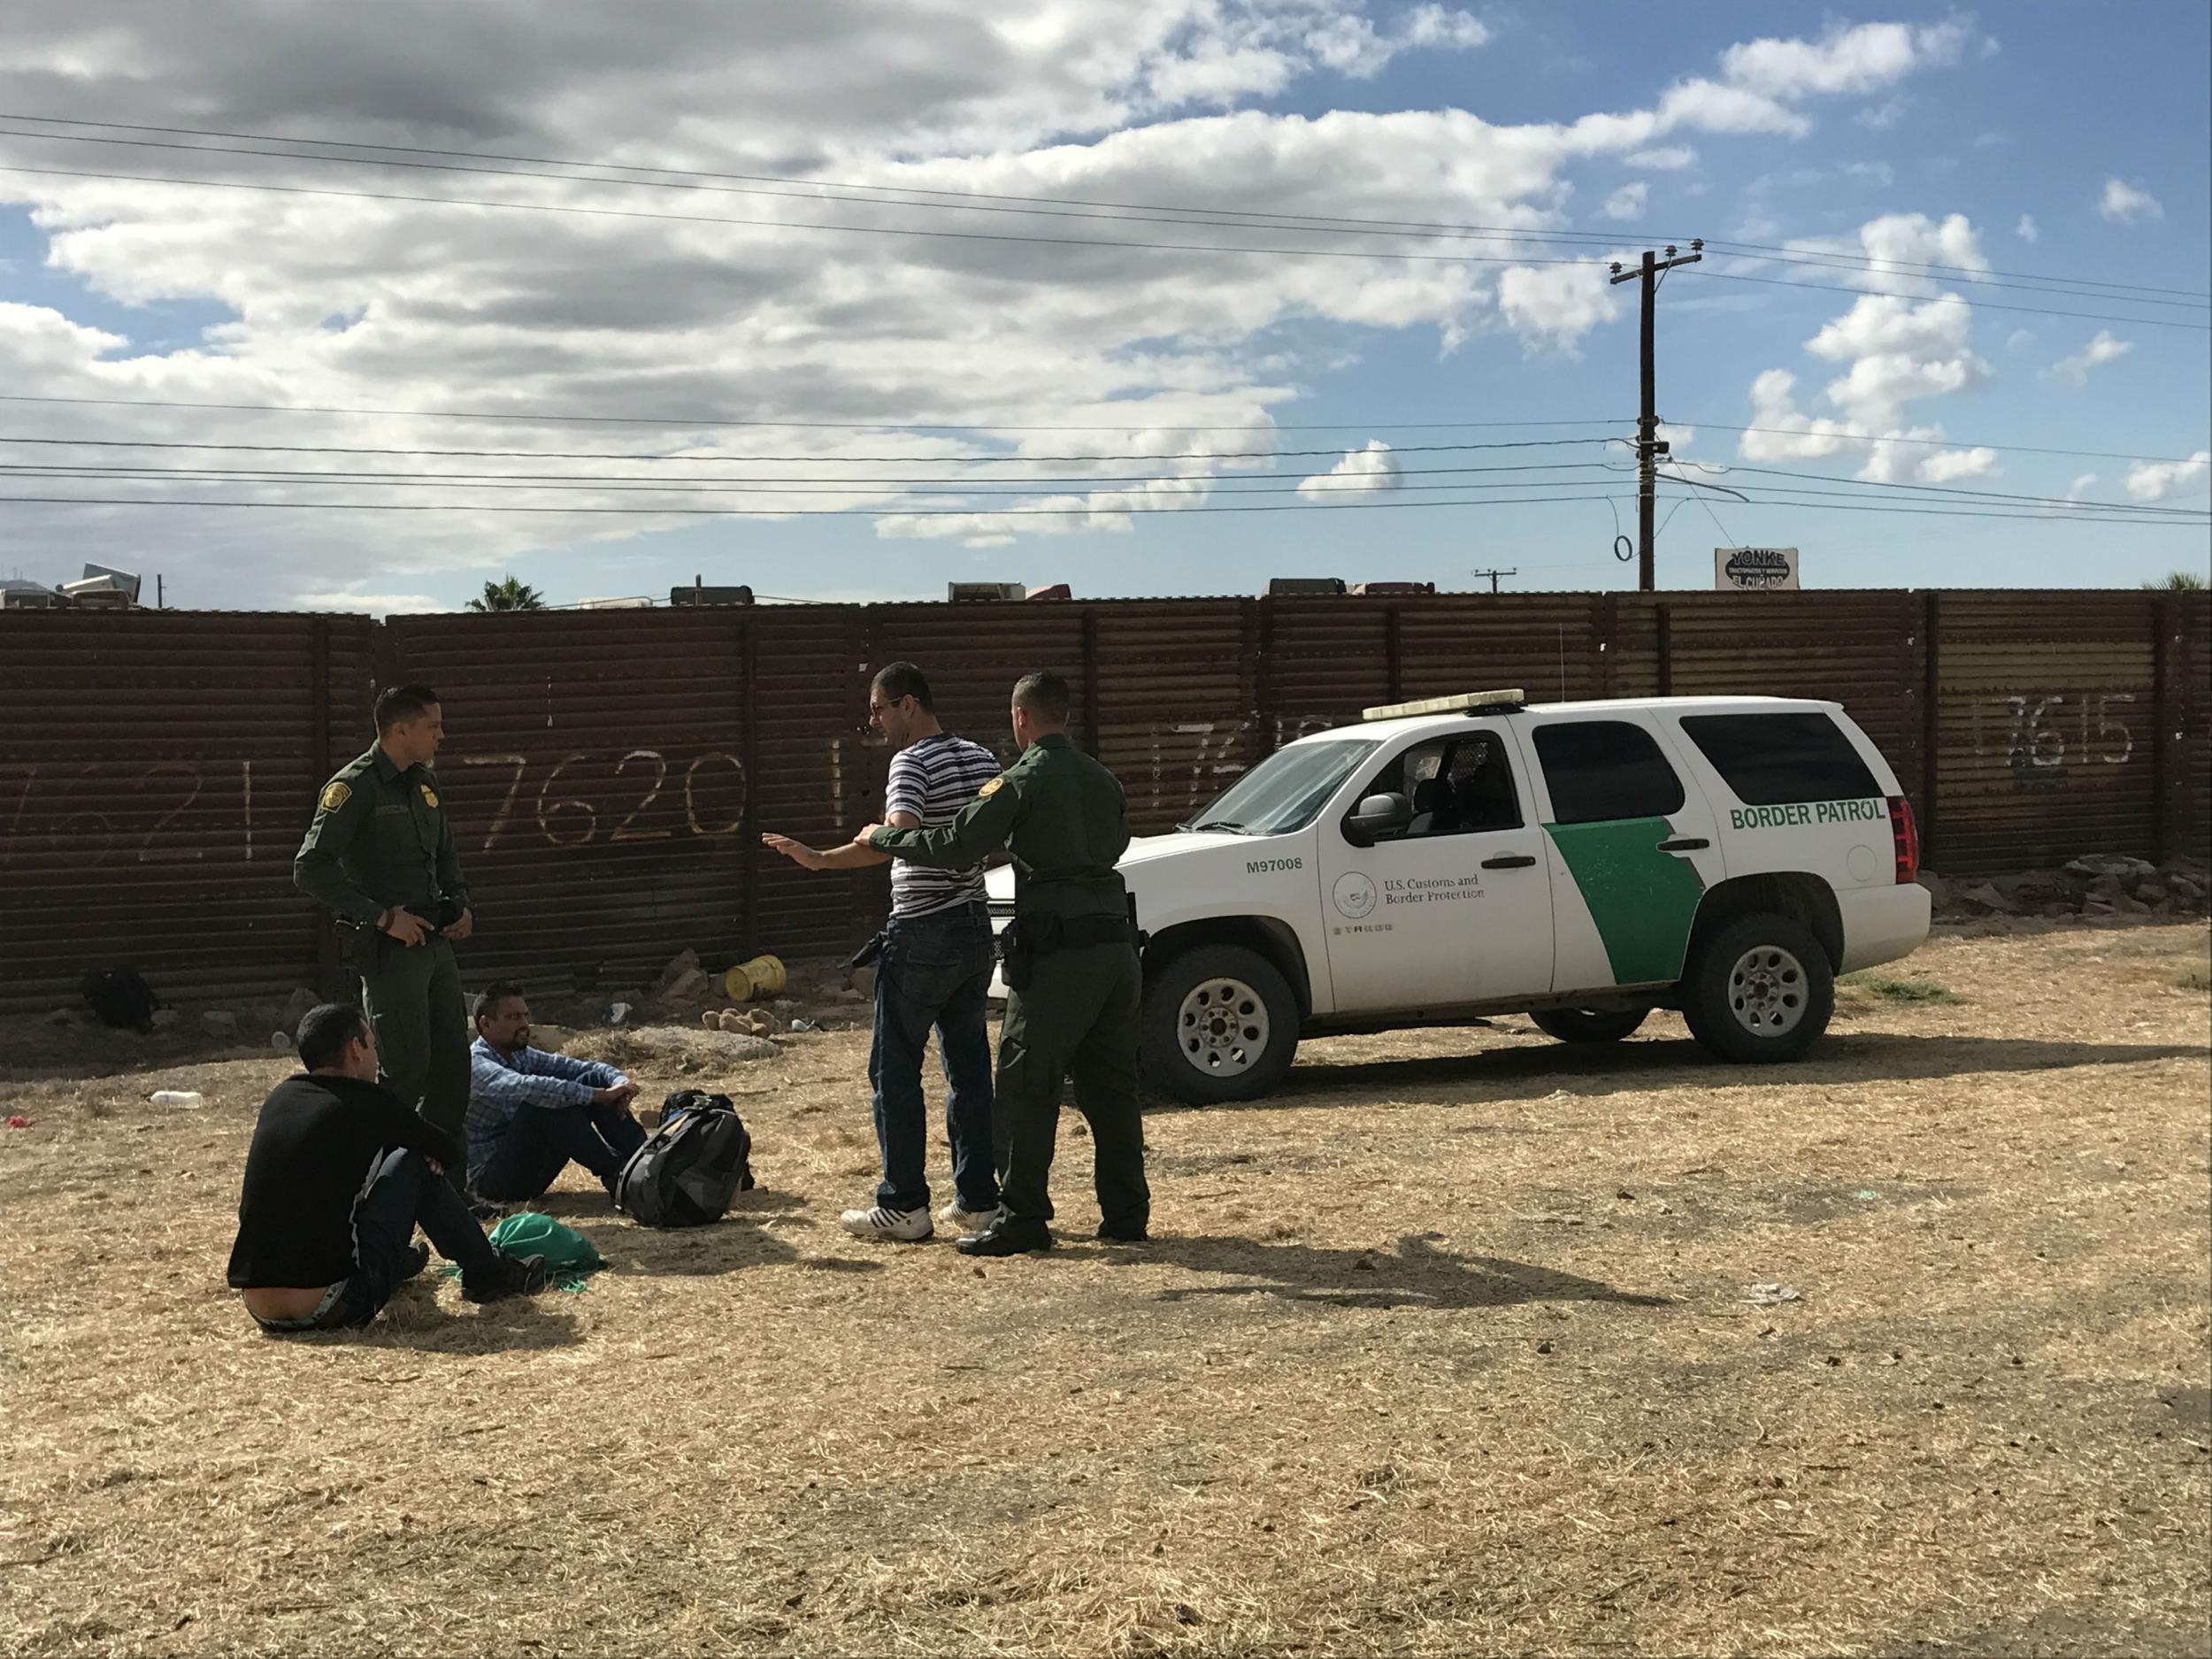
(1058, 811)
(381, 838)
(1064, 818)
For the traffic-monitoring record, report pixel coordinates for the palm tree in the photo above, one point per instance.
(508, 596)
(2178, 582)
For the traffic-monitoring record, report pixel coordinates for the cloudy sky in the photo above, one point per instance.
(1148, 296)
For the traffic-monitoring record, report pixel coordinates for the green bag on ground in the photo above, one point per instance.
(569, 1256)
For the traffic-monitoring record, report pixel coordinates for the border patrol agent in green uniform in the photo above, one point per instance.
(1072, 978)
(379, 854)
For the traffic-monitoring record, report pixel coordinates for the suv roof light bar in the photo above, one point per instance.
(1465, 702)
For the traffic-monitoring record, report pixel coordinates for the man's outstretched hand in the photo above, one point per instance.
(798, 852)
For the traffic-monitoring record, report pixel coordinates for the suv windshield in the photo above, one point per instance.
(1286, 790)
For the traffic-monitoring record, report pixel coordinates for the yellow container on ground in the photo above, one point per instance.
(761, 977)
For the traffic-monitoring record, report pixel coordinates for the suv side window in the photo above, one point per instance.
(1458, 786)
(1600, 771)
(1776, 759)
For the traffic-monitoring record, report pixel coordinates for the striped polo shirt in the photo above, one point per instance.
(933, 778)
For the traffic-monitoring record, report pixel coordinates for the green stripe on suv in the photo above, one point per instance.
(1642, 900)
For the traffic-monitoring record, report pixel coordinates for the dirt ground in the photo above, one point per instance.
(1446, 1349)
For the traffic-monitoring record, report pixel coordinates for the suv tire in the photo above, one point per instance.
(1759, 989)
(1219, 1024)
(1588, 1024)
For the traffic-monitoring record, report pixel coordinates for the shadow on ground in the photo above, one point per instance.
(1415, 1275)
(1840, 1058)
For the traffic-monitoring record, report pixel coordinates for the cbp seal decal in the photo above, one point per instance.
(990, 789)
(1354, 896)
(429, 796)
(334, 795)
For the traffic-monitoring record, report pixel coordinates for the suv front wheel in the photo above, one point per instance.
(1759, 989)
(1220, 1024)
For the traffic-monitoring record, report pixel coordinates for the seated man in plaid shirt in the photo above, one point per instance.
(531, 1113)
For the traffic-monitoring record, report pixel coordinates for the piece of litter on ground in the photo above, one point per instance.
(805, 1025)
(616, 1014)
(1768, 1295)
(1866, 1192)
(18, 1123)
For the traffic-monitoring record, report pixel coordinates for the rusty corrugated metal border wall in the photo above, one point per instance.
(610, 771)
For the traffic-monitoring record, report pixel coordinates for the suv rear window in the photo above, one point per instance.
(1775, 759)
(1603, 769)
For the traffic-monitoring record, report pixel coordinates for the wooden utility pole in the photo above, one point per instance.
(1648, 449)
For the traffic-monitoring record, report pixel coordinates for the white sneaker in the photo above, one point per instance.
(966, 1221)
(891, 1226)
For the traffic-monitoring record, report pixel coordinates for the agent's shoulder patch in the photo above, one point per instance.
(335, 793)
(429, 796)
(992, 787)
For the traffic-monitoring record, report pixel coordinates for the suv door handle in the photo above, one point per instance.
(1685, 844)
(1509, 861)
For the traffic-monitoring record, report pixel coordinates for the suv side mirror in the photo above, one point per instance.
(1377, 816)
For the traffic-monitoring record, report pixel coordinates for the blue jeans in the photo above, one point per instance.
(935, 971)
(400, 1195)
(541, 1142)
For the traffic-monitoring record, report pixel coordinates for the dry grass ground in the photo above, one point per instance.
(1446, 1350)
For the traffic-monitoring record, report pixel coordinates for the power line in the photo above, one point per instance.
(538, 416)
(1011, 488)
(979, 201)
(766, 512)
(897, 460)
(1947, 489)
(2096, 517)
(1004, 489)
(1244, 219)
(1008, 237)
(1939, 443)
(1902, 266)
(1960, 299)
(787, 223)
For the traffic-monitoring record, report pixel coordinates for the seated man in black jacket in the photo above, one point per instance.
(338, 1177)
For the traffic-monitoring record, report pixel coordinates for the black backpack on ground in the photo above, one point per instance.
(121, 998)
(697, 1162)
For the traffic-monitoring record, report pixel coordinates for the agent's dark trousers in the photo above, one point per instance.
(1076, 1019)
(412, 996)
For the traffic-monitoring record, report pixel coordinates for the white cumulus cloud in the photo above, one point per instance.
(2124, 203)
(1858, 59)
(1896, 351)
(2155, 481)
(1352, 45)
(1555, 304)
(2026, 230)
(1628, 202)
(1663, 157)
(1367, 472)
(2075, 366)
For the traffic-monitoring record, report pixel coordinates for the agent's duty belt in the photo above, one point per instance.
(1044, 934)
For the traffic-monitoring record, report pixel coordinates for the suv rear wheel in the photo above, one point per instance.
(1760, 988)
(1220, 1024)
(1588, 1024)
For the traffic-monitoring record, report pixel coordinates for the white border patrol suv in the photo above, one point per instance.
(1585, 863)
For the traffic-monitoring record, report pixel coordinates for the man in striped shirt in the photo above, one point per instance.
(935, 971)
